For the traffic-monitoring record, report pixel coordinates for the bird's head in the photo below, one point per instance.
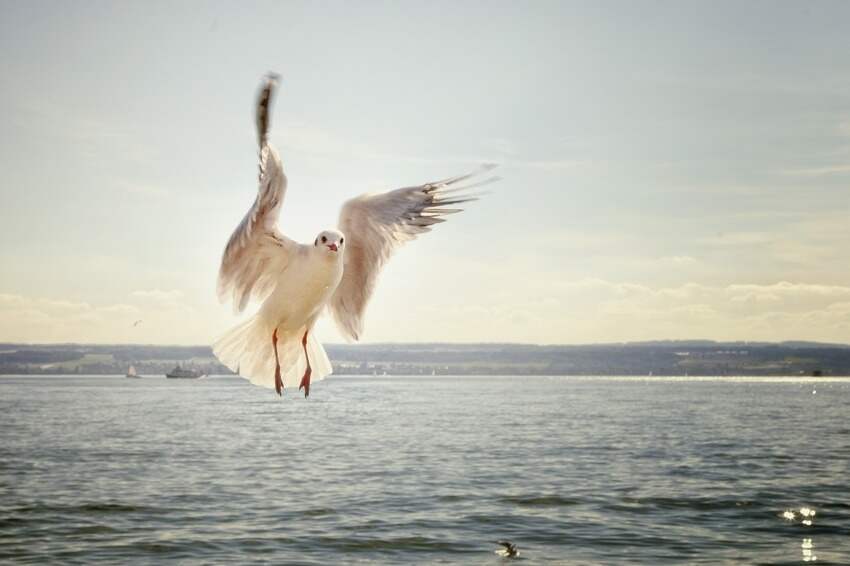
(330, 242)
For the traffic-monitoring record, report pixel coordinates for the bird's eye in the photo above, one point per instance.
(324, 239)
(342, 240)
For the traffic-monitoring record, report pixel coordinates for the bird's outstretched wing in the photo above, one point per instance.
(257, 252)
(375, 225)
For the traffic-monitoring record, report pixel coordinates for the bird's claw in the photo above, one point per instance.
(305, 382)
(278, 383)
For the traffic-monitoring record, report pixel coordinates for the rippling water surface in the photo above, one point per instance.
(425, 470)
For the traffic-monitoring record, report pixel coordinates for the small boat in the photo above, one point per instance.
(179, 372)
(131, 372)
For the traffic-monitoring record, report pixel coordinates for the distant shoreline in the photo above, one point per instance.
(659, 359)
(771, 378)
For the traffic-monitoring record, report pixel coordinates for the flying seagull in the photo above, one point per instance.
(296, 282)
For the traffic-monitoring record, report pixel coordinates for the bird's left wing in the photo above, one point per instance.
(257, 252)
(375, 225)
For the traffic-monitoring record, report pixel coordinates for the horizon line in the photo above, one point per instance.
(483, 343)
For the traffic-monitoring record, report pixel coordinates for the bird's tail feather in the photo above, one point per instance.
(318, 359)
(247, 350)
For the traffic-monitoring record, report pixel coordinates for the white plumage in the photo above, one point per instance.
(295, 282)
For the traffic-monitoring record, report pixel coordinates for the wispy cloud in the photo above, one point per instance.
(599, 310)
(157, 298)
(837, 169)
(167, 316)
(739, 239)
(52, 116)
(22, 318)
(324, 143)
(677, 260)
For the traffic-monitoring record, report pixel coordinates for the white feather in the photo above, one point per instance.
(247, 350)
(376, 225)
(257, 253)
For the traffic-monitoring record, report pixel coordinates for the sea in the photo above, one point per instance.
(425, 470)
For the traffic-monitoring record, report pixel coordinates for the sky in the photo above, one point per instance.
(670, 170)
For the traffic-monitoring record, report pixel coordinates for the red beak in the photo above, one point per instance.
(332, 247)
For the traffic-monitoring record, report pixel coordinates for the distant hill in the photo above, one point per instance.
(689, 357)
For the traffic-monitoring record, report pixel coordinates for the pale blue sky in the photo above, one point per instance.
(670, 169)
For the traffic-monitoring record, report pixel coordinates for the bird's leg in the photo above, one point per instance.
(305, 381)
(278, 384)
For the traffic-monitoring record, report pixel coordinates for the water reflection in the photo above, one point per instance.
(808, 550)
(807, 515)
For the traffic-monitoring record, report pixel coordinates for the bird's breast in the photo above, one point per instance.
(303, 289)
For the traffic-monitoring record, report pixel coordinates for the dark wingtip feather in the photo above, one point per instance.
(263, 106)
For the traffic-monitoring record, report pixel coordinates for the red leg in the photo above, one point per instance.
(305, 381)
(278, 384)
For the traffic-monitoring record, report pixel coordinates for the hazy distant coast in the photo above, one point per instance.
(643, 358)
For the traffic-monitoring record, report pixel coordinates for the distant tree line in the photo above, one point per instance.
(656, 358)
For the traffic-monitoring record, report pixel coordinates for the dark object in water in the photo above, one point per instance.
(817, 373)
(510, 550)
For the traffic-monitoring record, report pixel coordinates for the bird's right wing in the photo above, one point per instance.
(257, 252)
(375, 225)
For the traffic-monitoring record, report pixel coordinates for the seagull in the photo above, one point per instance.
(137, 323)
(337, 272)
(510, 550)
